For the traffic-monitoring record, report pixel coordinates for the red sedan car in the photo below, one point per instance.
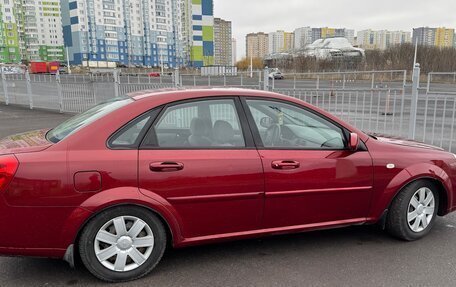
(154, 74)
(119, 183)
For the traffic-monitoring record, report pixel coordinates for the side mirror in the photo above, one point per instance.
(353, 142)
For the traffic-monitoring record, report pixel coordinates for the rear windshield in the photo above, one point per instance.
(70, 126)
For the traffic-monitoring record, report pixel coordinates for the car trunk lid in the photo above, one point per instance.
(32, 141)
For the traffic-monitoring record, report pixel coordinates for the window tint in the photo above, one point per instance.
(286, 126)
(129, 136)
(132, 133)
(77, 122)
(201, 124)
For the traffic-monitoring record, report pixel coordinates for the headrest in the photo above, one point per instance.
(223, 132)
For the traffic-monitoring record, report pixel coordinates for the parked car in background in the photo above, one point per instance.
(12, 70)
(276, 74)
(118, 184)
(154, 74)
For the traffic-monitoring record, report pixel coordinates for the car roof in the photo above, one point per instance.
(188, 93)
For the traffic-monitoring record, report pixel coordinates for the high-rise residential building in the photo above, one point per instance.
(234, 51)
(201, 32)
(303, 37)
(289, 41)
(424, 36)
(349, 34)
(383, 39)
(280, 41)
(30, 30)
(439, 37)
(257, 45)
(444, 37)
(131, 32)
(9, 33)
(326, 32)
(222, 42)
(152, 33)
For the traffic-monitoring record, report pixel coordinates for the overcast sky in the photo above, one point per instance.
(270, 15)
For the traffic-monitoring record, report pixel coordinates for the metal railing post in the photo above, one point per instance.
(59, 92)
(29, 89)
(318, 82)
(259, 79)
(5, 88)
(373, 81)
(176, 78)
(266, 79)
(428, 88)
(115, 74)
(414, 101)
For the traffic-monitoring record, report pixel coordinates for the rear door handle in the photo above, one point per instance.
(166, 166)
(285, 164)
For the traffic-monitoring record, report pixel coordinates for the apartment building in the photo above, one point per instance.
(222, 43)
(303, 37)
(30, 30)
(234, 51)
(201, 30)
(257, 45)
(383, 39)
(152, 33)
(440, 37)
(280, 41)
(130, 32)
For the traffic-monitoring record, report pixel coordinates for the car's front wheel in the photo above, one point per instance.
(414, 210)
(122, 244)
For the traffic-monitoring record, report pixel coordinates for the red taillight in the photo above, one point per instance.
(8, 167)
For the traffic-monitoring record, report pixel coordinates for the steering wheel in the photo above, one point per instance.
(273, 136)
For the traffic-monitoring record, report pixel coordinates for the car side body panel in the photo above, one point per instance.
(46, 211)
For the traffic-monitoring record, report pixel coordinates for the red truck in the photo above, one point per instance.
(44, 67)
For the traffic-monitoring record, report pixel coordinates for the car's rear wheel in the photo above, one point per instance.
(122, 244)
(414, 210)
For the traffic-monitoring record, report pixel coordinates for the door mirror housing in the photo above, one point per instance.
(353, 142)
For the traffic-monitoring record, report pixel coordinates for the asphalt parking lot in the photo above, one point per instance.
(354, 256)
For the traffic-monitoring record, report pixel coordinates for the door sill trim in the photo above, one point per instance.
(270, 231)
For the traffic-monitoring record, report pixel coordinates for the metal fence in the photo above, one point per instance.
(382, 102)
(73, 93)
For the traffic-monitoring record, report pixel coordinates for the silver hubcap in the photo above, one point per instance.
(124, 243)
(421, 209)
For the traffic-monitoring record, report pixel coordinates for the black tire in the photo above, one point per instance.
(396, 220)
(87, 239)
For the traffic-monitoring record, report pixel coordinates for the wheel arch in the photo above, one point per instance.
(406, 177)
(443, 193)
(170, 235)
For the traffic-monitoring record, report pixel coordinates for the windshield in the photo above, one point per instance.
(70, 126)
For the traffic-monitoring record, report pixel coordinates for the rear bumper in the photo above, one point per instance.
(39, 231)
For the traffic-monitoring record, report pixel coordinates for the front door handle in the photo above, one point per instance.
(285, 164)
(166, 166)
